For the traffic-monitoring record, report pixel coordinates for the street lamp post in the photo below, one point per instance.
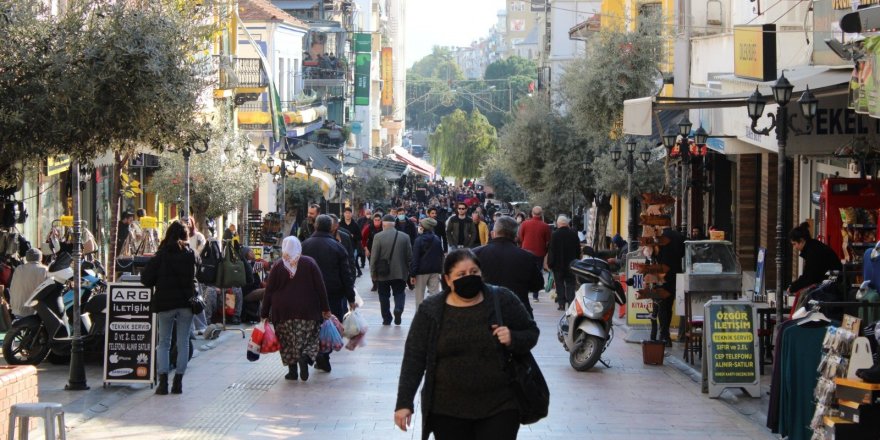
(682, 139)
(782, 122)
(309, 168)
(76, 379)
(629, 164)
(198, 145)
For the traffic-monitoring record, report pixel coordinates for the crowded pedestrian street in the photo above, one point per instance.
(228, 397)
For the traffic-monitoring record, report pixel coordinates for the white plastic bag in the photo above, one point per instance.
(358, 301)
(354, 328)
(349, 325)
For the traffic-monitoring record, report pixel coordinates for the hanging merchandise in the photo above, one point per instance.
(231, 270)
(847, 221)
(209, 267)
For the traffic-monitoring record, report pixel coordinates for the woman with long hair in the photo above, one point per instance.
(175, 285)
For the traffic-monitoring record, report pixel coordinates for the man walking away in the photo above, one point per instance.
(565, 246)
(25, 279)
(534, 235)
(505, 264)
(350, 225)
(308, 226)
(460, 229)
(427, 261)
(335, 268)
(344, 238)
(390, 258)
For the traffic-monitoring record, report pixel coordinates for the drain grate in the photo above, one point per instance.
(223, 413)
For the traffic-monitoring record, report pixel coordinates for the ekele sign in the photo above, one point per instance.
(130, 334)
(731, 339)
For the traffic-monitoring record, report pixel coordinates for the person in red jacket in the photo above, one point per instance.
(367, 234)
(534, 236)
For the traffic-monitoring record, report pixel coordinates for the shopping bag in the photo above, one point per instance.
(329, 338)
(356, 326)
(270, 342)
(349, 325)
(230, 303)
(253, 351)
(258, 332)
(549, 285)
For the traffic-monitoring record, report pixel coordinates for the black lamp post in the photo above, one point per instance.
(682, 138)
(782, 122)
(195, 144)
(76, 379)
(309, 168)
(629, 164)
(279, 170)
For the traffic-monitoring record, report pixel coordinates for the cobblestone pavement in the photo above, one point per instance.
(227, 397)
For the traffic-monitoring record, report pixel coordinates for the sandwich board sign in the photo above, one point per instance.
(731, 341)
(130, 334)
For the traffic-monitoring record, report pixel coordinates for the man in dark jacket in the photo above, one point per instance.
(344, 238)
(672, 256)
(440, 229)
(460, 229)
(335, 268)
(361, 223)
(503, 263)
(308, 226)
(403, 224)
(427, 262)
(565, 246)
(349, 224)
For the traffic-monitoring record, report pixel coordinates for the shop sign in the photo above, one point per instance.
(57, 165)
(638, 311)
(848, 4)
(844, 121)
(362, 79)
(363, 42)
(754, 52)
(538, 5)
(387, 77)
(732, 346)
(130, 334)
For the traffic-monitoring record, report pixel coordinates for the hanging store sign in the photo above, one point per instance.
(130, 334)
(57, 165)
(754, 52)
(731, 338)
(362, 79)
(363, 42)
(387, 77)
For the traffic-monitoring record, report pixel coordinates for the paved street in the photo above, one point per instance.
(227, 397)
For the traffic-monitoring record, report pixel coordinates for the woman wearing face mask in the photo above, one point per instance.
(456, 345)
(295, 301)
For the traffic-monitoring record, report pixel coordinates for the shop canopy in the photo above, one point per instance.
(416, 164)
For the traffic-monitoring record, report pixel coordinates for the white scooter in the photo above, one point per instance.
(586, 330)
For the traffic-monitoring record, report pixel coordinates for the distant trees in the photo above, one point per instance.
(462, 143)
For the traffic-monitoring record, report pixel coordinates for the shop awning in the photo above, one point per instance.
(417, 165)
(640, 118)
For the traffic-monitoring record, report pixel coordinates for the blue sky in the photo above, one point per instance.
(432, 23)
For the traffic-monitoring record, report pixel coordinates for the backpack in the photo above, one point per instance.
(231, 271)
(209, 268)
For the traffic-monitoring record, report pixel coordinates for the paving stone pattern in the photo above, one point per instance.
(227, 397)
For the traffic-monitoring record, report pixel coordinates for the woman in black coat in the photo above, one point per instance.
(818, 258)
(172, 272)
(456, 345)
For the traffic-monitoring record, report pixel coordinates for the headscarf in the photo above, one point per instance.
(292, 248)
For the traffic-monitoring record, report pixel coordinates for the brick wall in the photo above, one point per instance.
(767, 221)
(18, 384)
(747, 174)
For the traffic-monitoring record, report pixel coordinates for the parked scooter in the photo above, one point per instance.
(586, 330)
(32, 339)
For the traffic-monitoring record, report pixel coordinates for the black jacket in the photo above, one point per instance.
(565, 246)
(346, 241)
(420, 351)
(672, 255)
(333, 261)
(818, 259)
(408, 228)
(503, 263)
(175, 281)
(354, 230)
(427, 255)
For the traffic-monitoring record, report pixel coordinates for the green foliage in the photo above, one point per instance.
(375, 189)
(301, 192)
(462, 143)
(103, 75)
(511, 67)
(504, 185)
(218, 183)
(438, 65)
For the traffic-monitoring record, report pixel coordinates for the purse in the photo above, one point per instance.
(197, 304)
(526, 379)
(208, 268)
(231, 269)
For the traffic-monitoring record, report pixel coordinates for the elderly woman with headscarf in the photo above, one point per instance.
(295, 302)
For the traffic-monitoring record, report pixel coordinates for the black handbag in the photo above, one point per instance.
(526, 379)
(209, 268)
(197, 304)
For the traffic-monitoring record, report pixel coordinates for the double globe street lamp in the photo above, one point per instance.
(782, 121)
(683, 140)
(629, 164)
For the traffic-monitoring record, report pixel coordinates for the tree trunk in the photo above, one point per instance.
(115, 206)
(603, 212)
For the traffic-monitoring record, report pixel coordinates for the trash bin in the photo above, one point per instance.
(652, 352)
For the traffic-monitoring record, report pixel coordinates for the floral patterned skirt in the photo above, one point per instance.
(298, 338)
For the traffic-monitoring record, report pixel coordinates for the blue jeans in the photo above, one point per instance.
(385, 289)
(184, 318)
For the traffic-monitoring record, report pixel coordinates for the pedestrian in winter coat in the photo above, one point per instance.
(25, 279)
(818, 258)
(482, 229)
(565, 247)
(406, 226)
(368, 233)
(427, 261)
(296, 302)
(460, 229)
(308, 226)
(345, 239)
(349, 224)
(440, 229)
(534, 236)
(335, 265)
(172, 272)
(392, 246)
(457, 345)
(506, 264)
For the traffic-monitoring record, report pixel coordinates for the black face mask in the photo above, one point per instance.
(468, 287)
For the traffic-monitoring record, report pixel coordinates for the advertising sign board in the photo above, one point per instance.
(362, 79)
(130, 334)
(730, 335)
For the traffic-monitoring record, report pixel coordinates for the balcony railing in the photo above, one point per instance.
(324, 69)
(240, 72)
(286, 106)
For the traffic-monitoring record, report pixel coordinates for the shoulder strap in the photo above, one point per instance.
(393, 245)
(497, 302)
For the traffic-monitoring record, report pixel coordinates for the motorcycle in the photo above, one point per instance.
(46, 334)
(586, 329)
